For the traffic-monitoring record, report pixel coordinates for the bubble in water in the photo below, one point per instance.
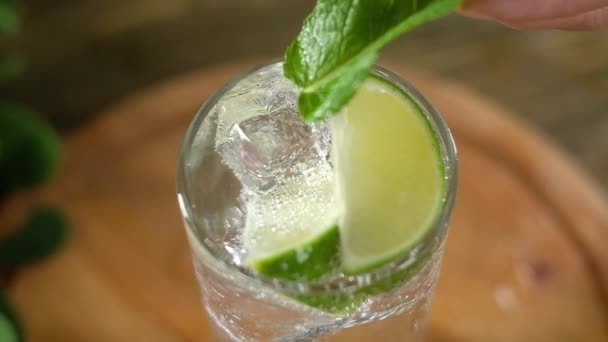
(288, 211)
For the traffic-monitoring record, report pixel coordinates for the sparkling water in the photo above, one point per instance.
(247, 146)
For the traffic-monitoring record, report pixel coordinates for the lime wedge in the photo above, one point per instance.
(290, 232)
(388, 174)
(389, 185)
(373, 205)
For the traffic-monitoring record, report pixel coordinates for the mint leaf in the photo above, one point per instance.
(339, 44)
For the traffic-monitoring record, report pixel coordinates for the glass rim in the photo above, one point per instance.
(340, 282)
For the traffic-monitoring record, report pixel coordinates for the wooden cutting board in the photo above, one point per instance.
(525, 261)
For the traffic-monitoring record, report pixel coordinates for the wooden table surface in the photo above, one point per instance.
(526, 257)
(84, 55)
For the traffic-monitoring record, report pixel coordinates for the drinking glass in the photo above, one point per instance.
(243, 306)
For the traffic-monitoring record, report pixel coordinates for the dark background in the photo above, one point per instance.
(83, 55)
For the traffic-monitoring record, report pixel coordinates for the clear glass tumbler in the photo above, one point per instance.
(245, 307)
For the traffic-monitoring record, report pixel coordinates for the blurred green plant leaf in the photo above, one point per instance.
(10, 327)
(29, 149)
(11, 65)
(9, 19)
(41, 235)
(8, 333)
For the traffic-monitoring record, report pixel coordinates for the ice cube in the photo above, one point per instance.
(260, 94)
(282, 99)
(264, 149)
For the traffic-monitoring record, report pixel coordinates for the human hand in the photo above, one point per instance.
(541, 14)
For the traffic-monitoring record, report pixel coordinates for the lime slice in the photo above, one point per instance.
(374, 205)
(388, 174)
(291, 231)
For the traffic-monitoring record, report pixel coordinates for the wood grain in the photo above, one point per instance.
(524, 260)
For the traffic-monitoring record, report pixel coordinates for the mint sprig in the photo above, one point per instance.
(340, 41)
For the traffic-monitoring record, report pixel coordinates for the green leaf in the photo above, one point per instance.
(29, 149)
(340, 41)
(8, 332)
(40, 236)
(11, 65)
(10, 327)
(9, 20)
